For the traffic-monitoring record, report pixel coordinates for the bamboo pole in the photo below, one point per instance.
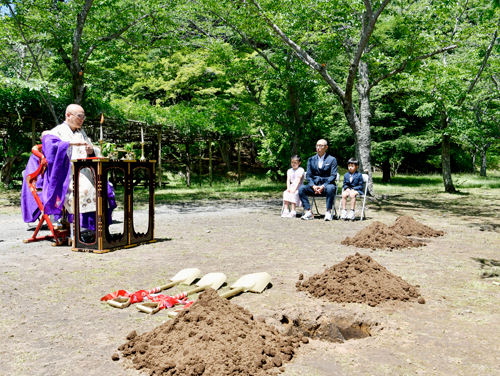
(188, 165)
(160, 172)
(201, 157)
(239, 162)
(210, 160)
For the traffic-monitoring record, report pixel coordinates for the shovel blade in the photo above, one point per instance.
(213, 280)
(255, 282)
(186, 276)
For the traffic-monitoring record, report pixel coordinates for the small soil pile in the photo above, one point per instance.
(360, 279)
(378, 235)
(212, 337)
(407, 226)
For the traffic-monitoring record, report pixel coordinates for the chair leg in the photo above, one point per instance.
(315, 205)
(334, 207)
(363, 208)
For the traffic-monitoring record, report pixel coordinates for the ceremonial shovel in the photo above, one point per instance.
(255, 282)
(186, 276)
(213, 280)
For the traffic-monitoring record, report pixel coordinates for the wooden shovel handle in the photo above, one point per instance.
(119, 302)
(232, 292)
(149, 307)
(168, 285)
(197, 289)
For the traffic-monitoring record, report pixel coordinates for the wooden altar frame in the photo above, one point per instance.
(104, 240)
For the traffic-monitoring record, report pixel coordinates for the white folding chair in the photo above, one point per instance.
(334, 197)
(363, 196)
(283, 204)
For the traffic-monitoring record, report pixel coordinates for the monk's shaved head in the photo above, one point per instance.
(74, 109)
(75, 116)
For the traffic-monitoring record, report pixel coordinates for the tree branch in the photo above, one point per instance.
(402, 67)
(47, 100)
(301, 54)
(248, 41)
(369, 21)
(481, 68)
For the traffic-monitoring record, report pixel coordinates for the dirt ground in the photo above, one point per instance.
(53, 323)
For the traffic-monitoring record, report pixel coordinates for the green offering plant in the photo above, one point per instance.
(129, 150)
(108, 149)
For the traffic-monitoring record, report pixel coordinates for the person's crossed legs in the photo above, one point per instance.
(307, 190)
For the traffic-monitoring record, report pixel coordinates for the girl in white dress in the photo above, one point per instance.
(294, 179)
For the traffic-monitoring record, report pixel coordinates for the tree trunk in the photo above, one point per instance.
(446, 164)
(224, 151)
(252, 149)
(362, 131)
(483, 162)
(295, 107)
(79, 87)
(474, 155)
(386, 171)
(7, 170)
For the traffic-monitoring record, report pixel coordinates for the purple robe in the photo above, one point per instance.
(29, 207)
(55, 181)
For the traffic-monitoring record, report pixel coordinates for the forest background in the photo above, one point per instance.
(406, 86)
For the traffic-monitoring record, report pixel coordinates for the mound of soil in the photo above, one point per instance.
(212, 337)
(379, 235)
(408, 226)
(360, 279)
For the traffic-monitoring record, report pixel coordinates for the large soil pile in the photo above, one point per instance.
(359, 279)
(379, 235)
(212, 337)
(407, 226)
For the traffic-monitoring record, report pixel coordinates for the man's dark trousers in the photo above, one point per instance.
(307, 190)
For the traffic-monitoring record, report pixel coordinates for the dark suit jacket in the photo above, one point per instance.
(356, 183)
(327, 174)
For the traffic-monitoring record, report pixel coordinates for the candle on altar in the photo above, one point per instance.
(102, 120)
(142, 136)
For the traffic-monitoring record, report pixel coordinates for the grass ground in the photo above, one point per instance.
(261, 187)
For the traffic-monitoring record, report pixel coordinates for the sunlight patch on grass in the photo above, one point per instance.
(253, 187)
(433, 182)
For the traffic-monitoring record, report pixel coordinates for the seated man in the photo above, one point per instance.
(60, 145)
(321, 175)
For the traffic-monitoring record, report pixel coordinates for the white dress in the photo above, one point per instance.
(292, 176)
(87, 191)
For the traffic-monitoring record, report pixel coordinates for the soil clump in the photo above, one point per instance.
(408, 226)
(379, 235)
(212, 337)
(360, 279)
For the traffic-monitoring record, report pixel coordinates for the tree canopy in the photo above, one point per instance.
(402, 85)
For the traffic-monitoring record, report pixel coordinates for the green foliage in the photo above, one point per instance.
(212, 68)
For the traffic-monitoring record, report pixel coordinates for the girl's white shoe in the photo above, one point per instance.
(285, 214)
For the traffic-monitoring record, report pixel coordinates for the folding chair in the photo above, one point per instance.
(334, 197)
(60, 236)
(363, 196)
